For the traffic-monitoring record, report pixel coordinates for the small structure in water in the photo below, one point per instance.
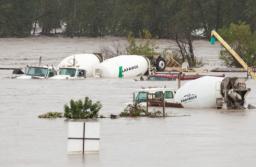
(83, 137)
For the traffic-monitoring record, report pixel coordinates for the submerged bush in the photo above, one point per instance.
(136, 110)
(133, 110)
(82, 109)
(51, 115)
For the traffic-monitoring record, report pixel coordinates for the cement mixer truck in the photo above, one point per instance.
(213, 92)
(78, 66)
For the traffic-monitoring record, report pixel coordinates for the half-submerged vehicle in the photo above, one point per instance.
(38, 72)
(154, 97)
(78, 66)
(123, 66)
(213, 92)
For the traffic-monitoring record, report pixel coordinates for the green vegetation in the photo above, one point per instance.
(136, 110)
(243, 40)
(52, 115)
(16, 17)
(82, 109)
(133, 111)
(145, 47)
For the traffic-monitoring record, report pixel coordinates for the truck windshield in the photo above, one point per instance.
(37, 71)
(68, 71)
(141, 97)
(168, 95)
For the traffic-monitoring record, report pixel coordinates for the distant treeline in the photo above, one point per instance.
(162, 18)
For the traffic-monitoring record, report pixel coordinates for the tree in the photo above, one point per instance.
(250, 13)
(49, 15)
(87, 17)
(16, 17)
(185, 23)
(163, 18)
(243, 40)
(145, 47)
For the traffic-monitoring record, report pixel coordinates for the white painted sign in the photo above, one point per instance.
(83, 137)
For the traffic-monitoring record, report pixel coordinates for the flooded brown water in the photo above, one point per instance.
(207, 137)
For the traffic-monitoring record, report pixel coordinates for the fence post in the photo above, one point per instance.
(147, 103)
(179, 75)
(163, 104)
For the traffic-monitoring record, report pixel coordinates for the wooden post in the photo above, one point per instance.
(133, 98)
(179, 75)
(40, 61)
(147, 103)
(83, 136)
(163, 104)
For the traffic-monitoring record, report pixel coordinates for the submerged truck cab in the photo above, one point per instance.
(38, 72)
(154, 97)
(70, 73)
(77, 66)
(156, 93)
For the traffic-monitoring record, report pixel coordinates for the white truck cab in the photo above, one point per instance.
(140, 96)
(70, 73)
(38, 72)
(77, 66)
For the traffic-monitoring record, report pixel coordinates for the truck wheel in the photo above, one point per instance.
(160, 64)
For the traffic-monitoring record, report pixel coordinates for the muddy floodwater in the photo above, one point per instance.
(207, 137)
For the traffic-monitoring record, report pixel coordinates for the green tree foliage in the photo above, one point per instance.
(133, 110)
(16, 17)
(87, 17)
(243, 40)
(49, 15)
(145, 47)
(82, 109)
(163, 18)
(250, 13)
(136, 110)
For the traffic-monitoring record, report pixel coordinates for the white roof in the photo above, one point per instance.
(155, 89)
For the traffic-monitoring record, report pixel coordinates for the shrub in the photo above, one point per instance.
(133, 110)
(82, 109)
(136, 110)
(51, 115)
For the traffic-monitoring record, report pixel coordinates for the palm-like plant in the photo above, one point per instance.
(82, 110)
